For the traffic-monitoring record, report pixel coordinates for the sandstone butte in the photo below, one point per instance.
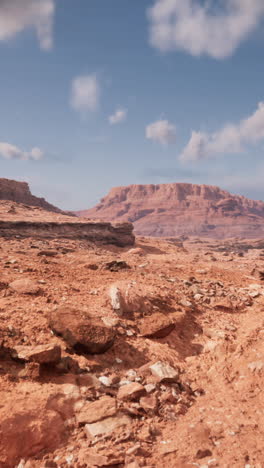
(177, 209)
(20, 192)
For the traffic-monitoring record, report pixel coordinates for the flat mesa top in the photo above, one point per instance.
(16, 212)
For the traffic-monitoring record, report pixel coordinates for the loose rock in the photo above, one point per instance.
(164, 372)
(97, 410)
(81, 330)
(42, 354)
(107, 426)
(131, 391)
(25, 286)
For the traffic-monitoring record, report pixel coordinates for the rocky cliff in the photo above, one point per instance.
(181, 209)
(20, 192)
(23, 221)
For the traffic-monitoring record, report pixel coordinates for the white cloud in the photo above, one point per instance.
(8, 151)
(203, 29)
(232, 138)
(85, 93)
(161, 131)
(118, 117)
(18, 15)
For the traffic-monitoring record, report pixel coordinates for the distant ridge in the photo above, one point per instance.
(169, 210)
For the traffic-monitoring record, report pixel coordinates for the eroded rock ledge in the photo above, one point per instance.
(18, 220)
(106, 233)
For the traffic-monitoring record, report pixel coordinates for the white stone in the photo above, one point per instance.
(116, 299)
(150, 388)
(197, 297)
(255, 286)
(21, 464)
(131, 375)
(185, 303)
(254, 294)
(105, 381)
(256, 366)
(163, 371)
(124, 382)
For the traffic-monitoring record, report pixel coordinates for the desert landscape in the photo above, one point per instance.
(131, 234)
(127, 351)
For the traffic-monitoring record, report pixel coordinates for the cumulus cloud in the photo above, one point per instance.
(203, 29)
(8, 151)
(232, 138)
(18, 15)
(85, 93)
(118, 117)
(161, 131)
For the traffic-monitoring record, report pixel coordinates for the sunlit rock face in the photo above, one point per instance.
(182, 209)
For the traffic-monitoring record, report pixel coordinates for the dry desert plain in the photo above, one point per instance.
(144, 355)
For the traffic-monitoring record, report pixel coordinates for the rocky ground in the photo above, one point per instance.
(150, 356)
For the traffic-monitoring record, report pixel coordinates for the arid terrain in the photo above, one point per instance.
(147, 355)
(132, 234)
(180, 209)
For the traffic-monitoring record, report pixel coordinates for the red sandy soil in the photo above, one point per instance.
(197, 307)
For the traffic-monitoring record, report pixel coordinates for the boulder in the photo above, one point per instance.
(82, 331)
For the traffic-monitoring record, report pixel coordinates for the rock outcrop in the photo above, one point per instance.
(82, 331)
(19, 192)
(26, 221)
(181, 209)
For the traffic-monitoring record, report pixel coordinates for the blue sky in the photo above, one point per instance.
(101, 93)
